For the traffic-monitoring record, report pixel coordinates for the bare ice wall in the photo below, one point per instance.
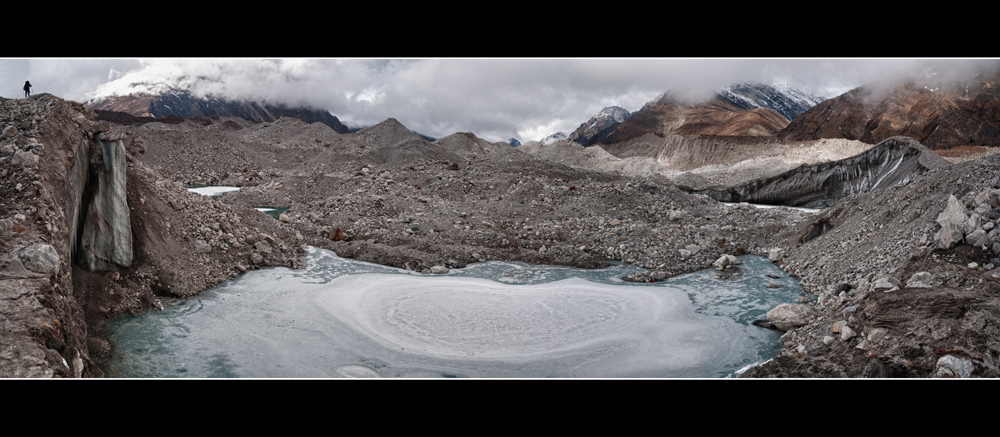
(106, 240)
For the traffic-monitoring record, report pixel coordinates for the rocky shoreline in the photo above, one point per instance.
(387, 196)
(906, 282)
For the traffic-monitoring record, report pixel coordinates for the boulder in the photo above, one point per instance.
(838, 326)
(949, 236)
(790, 315)
(886, 284)
(202, 246)
(972, 223)
(978, 238)
(22, 157)
(262, 247)
(922, 280)
(40, 258)
(987, 197)
(953, 220)
(950, 366)
(846, 333)
(954, 212)
(725, 261)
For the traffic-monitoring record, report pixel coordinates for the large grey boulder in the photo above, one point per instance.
(40, 258)
(950, 235)
(978, 238)
(952, 220)
(972, 223)
(22, 157)
(790, 315)
(950, 366)
(987, 197)
(922, 280)
(725, 261)
(886, 284)
(954, 212)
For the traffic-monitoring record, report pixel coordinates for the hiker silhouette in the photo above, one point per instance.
(27, 88)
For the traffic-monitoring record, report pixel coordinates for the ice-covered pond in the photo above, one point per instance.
(213, 190)
(346, 318)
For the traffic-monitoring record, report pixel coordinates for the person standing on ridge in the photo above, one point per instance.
(27, 89)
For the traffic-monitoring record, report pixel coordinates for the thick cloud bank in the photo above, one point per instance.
(494, 98)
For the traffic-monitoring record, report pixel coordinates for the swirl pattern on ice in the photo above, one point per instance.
(482, 318)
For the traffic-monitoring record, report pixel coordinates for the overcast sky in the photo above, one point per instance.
(493, 98)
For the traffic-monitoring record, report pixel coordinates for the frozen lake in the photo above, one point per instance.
(345, 318)
(213, 190)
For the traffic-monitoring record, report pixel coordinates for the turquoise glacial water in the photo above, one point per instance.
(341, 318)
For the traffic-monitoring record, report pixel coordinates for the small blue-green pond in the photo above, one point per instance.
(345, 318)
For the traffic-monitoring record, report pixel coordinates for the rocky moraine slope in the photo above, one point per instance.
(900, 280)
(86, 232)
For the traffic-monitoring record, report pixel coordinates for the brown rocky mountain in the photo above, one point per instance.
(183, 104)
(720, 117)
(955, 115)
(668, 116)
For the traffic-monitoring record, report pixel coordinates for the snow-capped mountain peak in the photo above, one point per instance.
(788, 101)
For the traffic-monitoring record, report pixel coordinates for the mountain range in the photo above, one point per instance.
(738, 110)
(960, 113)
(952, 115)
(139, 108)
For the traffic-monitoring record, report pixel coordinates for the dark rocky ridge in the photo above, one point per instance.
(179, 103)
(895, 161)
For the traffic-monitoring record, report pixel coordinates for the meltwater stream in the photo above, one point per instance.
(346, 318)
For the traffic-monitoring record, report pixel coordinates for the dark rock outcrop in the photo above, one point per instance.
(892, 162)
